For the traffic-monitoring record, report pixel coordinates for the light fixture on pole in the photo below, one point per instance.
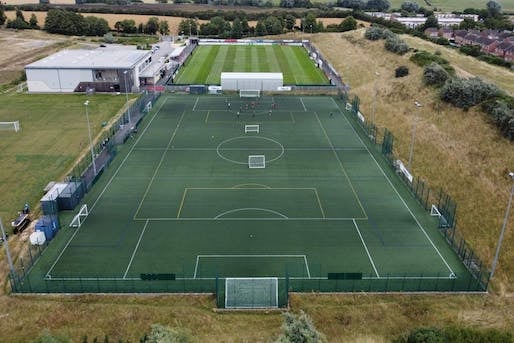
(413, 138)
(374, 98)
(504, 226)
(126, 95)
(311, 28)
(90, 140)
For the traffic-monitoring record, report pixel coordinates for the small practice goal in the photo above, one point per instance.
(434, 212)
(256, 161)
(10, 126)
(249, 93)
(252, 128)
(80, 217)
(251, 293)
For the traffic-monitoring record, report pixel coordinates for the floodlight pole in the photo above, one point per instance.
(7, 252)
(374, 98)
(90, 140)
(126, 95)
(504, 226)
(413, 138)
(311, 28)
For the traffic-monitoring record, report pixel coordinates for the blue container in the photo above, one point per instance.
(49, 225)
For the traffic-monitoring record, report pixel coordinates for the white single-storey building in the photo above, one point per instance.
(251, 81)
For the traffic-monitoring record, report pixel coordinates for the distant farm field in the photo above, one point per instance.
(207, 63)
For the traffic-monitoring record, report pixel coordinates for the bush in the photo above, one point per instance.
(455, 335)
(423, 58)
(396, 45)
(401, 71)
(373, 33)
(465, 93)
(163, 334)
(501, 112)
(434, 75)
(299, 329)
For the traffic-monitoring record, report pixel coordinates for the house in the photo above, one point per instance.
(432, 32)
(446, 33)
(487, 45)
(501, 48)
(509, 54)
(458, 36)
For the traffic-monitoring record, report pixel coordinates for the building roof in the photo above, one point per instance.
(100, 58)
(252, 76)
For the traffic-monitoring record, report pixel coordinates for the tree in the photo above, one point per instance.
(188, 25)
(65, 22)
(152, 26)
(494, 8)
(354, 4)
(33, 22)
(273, 25)
(348, 24)
(260, 29)
(309, 23)
(401, 71)
(128, 26)
(378, 5)
(299, 329)
(19, 14)
(396, 45)
(373, 33)
(289, 21)
(237, 29)
(410, 7)
(468, 24)
(430, 22)
(164, 27)
(465, 93)
(96, 26)
(434, 75)
(3, 18)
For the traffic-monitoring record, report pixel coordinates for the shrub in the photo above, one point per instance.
(426, 335)
(455, 335)
(465, 93)
(299, 329)
(373, 33)
(434, 75)
(396, 45)
(161, 334)
(423, 58)
(401, 71)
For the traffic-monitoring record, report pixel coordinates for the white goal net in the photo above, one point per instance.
(10, 126)
(80, 217)
(251, 292)
(249, 93)
(256, 161)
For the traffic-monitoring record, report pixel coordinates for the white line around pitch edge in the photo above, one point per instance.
(366, 248)
(135, 249)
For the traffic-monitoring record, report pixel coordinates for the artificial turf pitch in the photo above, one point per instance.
(180, 199)
(208, 62)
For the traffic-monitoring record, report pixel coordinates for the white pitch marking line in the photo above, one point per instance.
(366, 248)
(304, 108)
(196, 102)
(135, 249)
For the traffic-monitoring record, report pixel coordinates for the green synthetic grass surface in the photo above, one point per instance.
(180, 199)
(53, 134)
(209, 61)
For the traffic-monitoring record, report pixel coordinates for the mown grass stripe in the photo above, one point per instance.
(289, 77)
(256, 65)
(313, 74)
(248, 60)
(230, 59)
(271, 60)
(264, 64)
(216, 64)
(201, 59)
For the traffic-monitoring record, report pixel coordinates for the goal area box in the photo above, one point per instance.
(10, 126)
(251, 81)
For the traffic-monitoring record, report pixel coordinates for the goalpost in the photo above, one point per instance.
(10, 126)
(249, 93)
(434, 212)
(80, 217)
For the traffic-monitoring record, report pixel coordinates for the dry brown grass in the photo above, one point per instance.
(456, 150)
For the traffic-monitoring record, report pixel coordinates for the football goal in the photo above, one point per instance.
(251, 128)
(256, 161)
(249, 93)
(80, 217)
(434, 212)
(10, 126)
(251, 292)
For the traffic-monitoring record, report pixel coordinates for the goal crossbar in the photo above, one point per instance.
(80, 217)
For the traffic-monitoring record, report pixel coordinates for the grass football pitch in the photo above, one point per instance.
(208, 61)
(181, 199)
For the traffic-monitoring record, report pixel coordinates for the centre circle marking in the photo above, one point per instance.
(249, 137)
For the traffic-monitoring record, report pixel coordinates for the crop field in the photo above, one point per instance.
(208, 61)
